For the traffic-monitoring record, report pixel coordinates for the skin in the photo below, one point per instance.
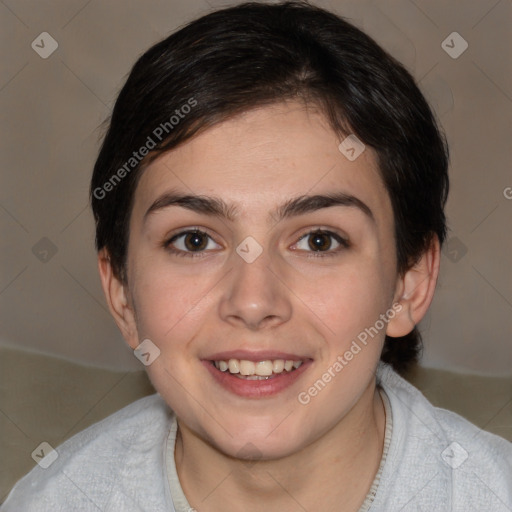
(319, 456)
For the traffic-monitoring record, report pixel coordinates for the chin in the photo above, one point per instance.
(263, 441)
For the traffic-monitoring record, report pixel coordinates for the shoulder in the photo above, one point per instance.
(436, 452)
(113, 462)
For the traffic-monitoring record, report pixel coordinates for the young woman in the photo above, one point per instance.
(269, 213)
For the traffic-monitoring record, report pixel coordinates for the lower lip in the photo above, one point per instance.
(256, 388)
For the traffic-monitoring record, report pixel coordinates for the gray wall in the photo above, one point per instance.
(50, 295)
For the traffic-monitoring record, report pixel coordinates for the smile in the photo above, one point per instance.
(263, 376)
(260, 370)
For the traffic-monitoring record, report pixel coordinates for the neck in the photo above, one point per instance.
(334, 472)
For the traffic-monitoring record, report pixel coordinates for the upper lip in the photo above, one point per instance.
(255, 356)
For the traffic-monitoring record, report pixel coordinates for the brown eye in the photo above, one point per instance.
(195, 241)
(319, 241)
(189, 242)
(322, 243)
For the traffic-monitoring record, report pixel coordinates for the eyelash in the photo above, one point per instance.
(344, 243)
(179, 252)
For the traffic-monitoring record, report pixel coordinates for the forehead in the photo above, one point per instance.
(261, 158)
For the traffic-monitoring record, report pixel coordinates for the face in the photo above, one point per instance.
(255, 274)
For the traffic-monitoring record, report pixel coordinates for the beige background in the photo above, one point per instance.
(51, 110)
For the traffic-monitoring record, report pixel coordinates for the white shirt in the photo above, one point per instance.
(433, 460)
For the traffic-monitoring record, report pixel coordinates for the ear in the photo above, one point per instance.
(414, 291)
(117, 296)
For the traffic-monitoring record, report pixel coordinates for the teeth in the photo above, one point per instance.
(234, 366)
(255, 371)
(264, 368)
(247, 367)
(278, 366)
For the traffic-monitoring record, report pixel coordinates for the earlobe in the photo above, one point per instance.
(116, 295)
(415, 291)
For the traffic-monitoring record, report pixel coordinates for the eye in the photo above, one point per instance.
(322, 241)
(188, 242)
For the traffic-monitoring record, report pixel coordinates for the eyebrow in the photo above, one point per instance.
(217, 207)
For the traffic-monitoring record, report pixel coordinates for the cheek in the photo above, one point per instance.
(170, 311)
(169, 303)
(346, 302)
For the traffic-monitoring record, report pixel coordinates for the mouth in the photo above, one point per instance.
(256, 378)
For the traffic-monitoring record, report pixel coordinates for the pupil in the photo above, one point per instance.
(320, 241)
(195, 241)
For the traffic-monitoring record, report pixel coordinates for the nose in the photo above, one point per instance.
(255, 295)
